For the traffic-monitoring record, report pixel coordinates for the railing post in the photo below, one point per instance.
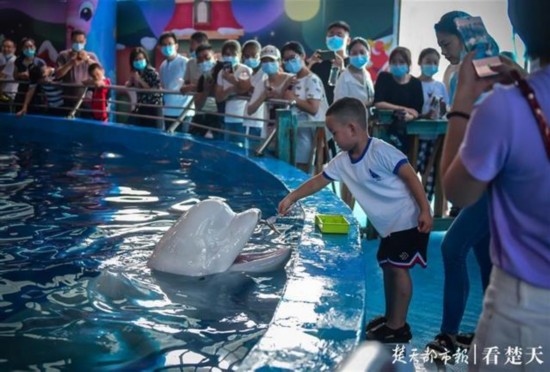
(182, 116)
(286, 135)
(72, 114)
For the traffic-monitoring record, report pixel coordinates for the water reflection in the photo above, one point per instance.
(77, 227)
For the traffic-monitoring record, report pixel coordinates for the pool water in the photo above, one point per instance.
(77, 227)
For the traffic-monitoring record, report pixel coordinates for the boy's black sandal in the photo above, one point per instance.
(442, 344)
(385, 334)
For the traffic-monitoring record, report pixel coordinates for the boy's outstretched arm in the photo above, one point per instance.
(307, 188)
(425, 221)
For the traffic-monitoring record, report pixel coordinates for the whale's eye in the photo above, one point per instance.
(86, 11)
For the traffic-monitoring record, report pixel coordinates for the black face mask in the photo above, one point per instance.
(529, 19)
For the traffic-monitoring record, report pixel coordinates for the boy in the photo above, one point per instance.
(100, 92)
(387, 188)
(41, 76)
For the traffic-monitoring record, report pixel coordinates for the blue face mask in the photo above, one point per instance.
(139, 64)
(29, 52)
(429, 70)
(252, 62)
(399, 70)
(193, 55)
(233, 60)
(294, 65)
(335, 43)
(359, 61)
(206, 66)
(77, 47)
(270, 68)
(168, 50)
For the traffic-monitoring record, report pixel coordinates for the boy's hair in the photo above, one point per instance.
(341, 24)
(447, 23)
(134, 53)
(404, 52)
(359, 40)
(166, 35)
(426, 52)
(349, 109)
(232, 46)
(294, 46)
(76, 33)
(200, 37)
(203, 47)
(92, 67)
(35, 72)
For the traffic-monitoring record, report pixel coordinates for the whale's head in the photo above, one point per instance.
(206, 240)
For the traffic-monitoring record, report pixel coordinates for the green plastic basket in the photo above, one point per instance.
(332, 223)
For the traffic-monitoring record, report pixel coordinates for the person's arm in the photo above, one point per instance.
(307, 188)
(63, 66)
(407, 174)
(310, 106)
(258, 98)
(28, 98)
(460, 186)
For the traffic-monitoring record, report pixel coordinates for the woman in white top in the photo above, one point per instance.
(272, 86)
(227, 87)
(355, 81)
(309, 94)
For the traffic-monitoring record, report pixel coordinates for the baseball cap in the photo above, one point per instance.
(270, 51)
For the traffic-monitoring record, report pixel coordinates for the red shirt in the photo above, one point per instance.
(99, 101)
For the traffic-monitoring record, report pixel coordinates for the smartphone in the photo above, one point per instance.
(326, 55)
(228, 66)
(477, 39)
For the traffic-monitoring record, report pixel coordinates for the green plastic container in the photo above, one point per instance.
(332, 223)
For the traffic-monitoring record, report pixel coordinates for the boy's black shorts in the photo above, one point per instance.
(404, 249)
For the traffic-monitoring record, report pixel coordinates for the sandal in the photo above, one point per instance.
(376, 321)
(464, 340)
(385, 334)
(442, 345)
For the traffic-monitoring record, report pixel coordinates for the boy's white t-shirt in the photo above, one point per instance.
(234, 106)
(375, 184)
(257, 81)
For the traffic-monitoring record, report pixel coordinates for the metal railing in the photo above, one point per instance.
(284, 126)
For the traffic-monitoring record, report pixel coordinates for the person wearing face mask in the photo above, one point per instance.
(337, 40)
(205, 103)
(501, 144)
(397, 90)
(192, 71)
(470, 228)
(308, 93)
(72, 66)
(355, 81)
(7, 70)
(274, 84)
(171, 72)
(435, 103)
(23, 63)
(227, 87)
(144, 76)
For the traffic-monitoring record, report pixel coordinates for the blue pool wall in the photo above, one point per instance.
(320, 318)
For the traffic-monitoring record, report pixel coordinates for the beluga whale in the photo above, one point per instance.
(209, 239)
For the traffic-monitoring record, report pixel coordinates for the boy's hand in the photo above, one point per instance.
(425, 222)
(285, 204)
(21, 112)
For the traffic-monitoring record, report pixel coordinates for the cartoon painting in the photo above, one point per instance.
(50, 23)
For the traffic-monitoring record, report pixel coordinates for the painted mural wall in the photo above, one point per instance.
(114, 27)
